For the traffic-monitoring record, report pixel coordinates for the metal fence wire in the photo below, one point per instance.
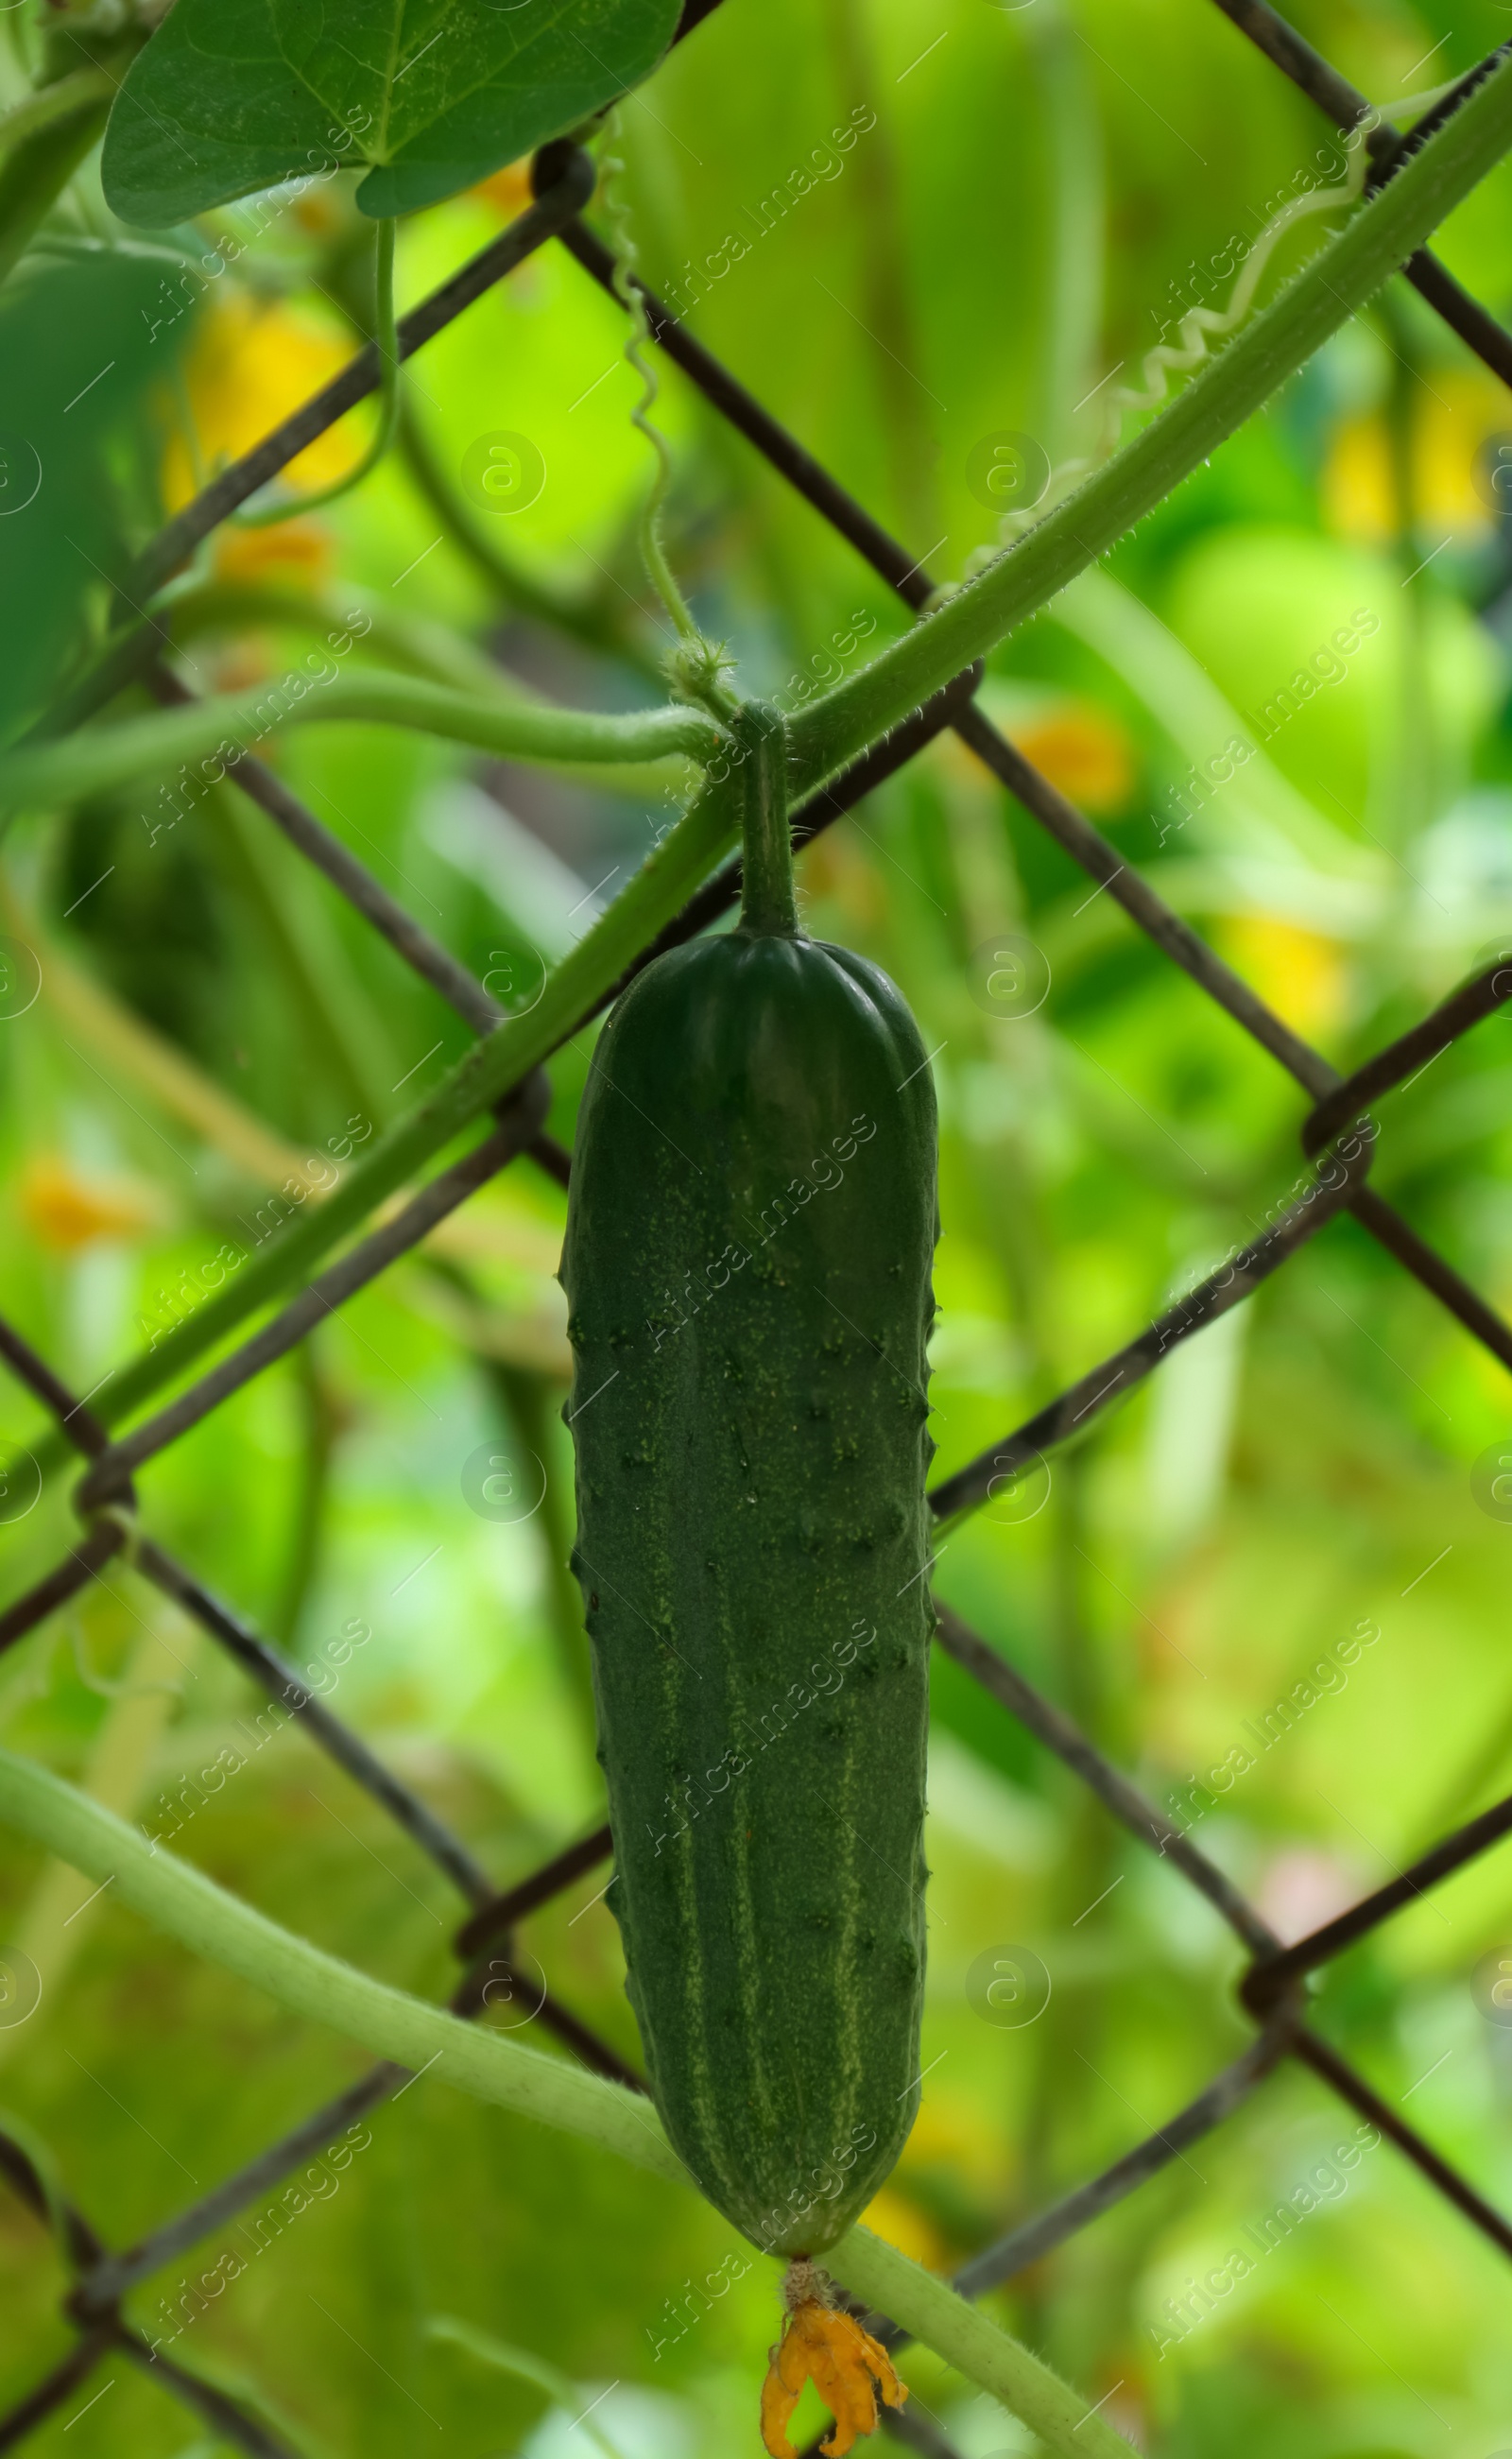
(1337, 1136)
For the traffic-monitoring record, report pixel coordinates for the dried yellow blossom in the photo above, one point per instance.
(846, 2367)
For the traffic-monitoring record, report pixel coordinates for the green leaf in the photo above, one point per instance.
(231, 96)
(209, 111)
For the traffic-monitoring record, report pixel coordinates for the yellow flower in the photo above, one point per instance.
(1451, 425)
(891, 2215)
(846, 2367)
(66, 1212)
(834, 868)
(508, 190)
(1082, 750)
(316, 214)
(948, 2132)
(293, 549)
(1298, 973)
(251, 362)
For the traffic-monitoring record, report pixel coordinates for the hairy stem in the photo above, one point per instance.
(47, 136)
(514, 730)
(768, 905)
(933, 2315)
(178, 1901)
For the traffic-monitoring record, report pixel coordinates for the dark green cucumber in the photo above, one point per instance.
(749, 1234)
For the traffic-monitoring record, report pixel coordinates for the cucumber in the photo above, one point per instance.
(750, 1226)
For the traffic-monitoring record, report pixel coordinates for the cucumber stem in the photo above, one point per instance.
(768, 908)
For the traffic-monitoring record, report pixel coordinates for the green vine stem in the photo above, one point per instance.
(431, 650)
(177, 1900)
(1230, 387)
(386, 338)
(98, 756)
(931, 2312)
(1217, 401)
(78, 92)
(185, 1905)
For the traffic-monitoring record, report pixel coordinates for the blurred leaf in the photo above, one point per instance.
(81, 342)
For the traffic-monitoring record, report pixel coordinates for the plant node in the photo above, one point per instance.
(695, 669)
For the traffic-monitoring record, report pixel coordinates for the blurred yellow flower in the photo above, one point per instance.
(891, 2215)
(251, 362)
(1298, 973)
(835, 867)
(66, 1212)
(316, 214)
(1453, 422)
(1082, 750)
(294, 550)
(508, 191)
(951, 2132)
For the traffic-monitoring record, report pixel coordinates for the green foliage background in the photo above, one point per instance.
(1008, 230)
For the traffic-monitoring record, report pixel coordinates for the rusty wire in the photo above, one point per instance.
(1337, 1134)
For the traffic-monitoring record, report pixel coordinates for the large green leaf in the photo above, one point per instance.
(235, 95)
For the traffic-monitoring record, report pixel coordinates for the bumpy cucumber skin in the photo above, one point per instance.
(750, 1229)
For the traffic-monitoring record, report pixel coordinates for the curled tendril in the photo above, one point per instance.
(695, 666)
(1201, 325)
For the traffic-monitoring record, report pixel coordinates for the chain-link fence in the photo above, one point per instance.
(1337, 1136)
